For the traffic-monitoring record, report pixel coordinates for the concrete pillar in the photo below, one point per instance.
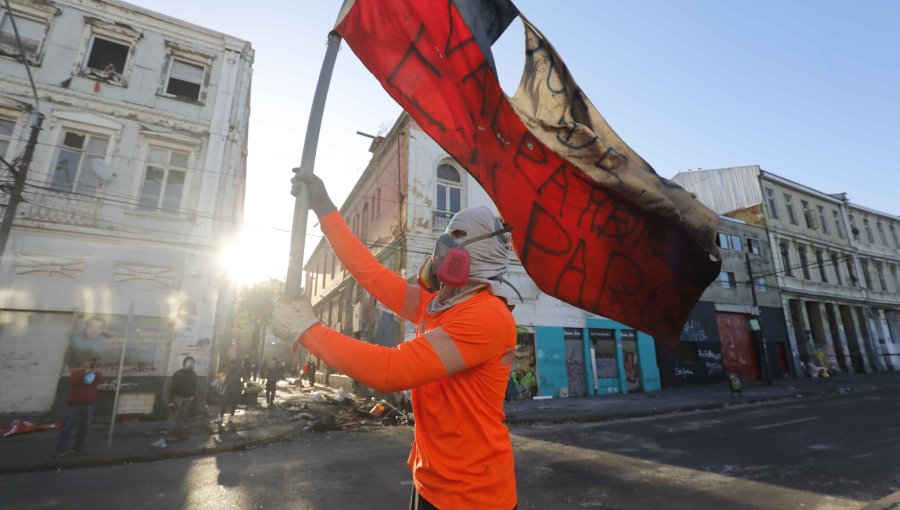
(860, 338)
(842, 348)
(807, 328)
(792, 338)
(877, 360)
(826, 332)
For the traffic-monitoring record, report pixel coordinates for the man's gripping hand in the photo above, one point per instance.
(291, 319)
(319, 201)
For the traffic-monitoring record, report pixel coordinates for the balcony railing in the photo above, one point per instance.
(61, 207)
(440, 220)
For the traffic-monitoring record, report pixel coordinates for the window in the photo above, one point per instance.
(838, 224)
(881, 233)
(820, 262)
(770, 200)
(789, 205)
(836, 267)
(106, 59)
(879, 271)
(333, 265)
(729, 241)
(722, 240)
(31, 32)
(753, 246)
(786, 259)
(894, 237)
(853, 229)
(74, 171)
(824, 223)
(865, 271)
(894, 277)
(868, 228)
(377, 202)
(808, 215)
(184, 80)
(728, 280)
(449, 188)
(164, 180)
(7, 126)
(760, 283)
(804, 262)
(854, 281)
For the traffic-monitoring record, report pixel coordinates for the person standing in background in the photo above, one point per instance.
(79, 407)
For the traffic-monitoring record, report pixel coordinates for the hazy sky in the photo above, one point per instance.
(807, 89)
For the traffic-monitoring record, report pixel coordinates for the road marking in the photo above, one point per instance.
(801, 420)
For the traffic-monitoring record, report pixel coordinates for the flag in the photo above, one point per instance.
(595, 226)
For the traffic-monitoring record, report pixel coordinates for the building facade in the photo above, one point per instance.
(840, 313)
(400, 205)
(137, 181)
(721, 334)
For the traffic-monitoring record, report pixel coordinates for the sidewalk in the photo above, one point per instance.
(690, 398)
(299, 410)
(295, 410)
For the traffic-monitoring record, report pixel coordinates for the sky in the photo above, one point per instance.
(807, 89)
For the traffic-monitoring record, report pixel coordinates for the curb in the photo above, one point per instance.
(889, 502)
(600, 418)
(133, 458)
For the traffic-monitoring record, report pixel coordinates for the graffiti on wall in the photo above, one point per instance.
(522, 376)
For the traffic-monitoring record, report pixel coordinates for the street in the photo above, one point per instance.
(837, 452)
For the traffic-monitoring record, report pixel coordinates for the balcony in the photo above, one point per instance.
(60, 207)
(440, 220)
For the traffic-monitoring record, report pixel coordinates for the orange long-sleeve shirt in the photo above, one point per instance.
(462, 455)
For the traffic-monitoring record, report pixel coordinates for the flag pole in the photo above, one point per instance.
(112, 423)
(293, 281)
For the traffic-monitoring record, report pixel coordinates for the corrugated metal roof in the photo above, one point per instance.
(723, 189)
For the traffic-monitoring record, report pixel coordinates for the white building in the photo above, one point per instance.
(136, 182)
(838, 290)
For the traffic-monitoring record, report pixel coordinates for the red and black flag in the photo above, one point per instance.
(595, 226)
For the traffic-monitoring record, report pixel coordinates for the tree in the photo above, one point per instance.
(252, 310)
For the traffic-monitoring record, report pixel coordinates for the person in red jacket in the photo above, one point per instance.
(79, 407)
(457, 365)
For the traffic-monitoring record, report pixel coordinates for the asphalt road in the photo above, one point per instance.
(839, 452)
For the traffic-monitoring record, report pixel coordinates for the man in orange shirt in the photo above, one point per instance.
(457, 365)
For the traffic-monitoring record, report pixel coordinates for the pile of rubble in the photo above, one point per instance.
(326, 409)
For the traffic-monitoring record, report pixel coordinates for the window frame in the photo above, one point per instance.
(879, 226)
(773, 205)
(835, 264)
(820, 261)
(34, 14)
(804, 262)
(448, 186)
(879, 273)
(113, 33)
(868, 226)
(170, 146)
(85, 130)
(789, 206)
(838, 223)
(761, 283)
(754, 246)
(190, 56)
(728, 280)
(820, 209)
(784, 250)
(14, 135)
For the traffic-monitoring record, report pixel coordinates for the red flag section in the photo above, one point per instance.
(594, 225)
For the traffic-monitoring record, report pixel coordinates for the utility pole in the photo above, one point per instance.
(19, 177)
(756, 324)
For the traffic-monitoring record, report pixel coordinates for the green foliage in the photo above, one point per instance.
(252, 310)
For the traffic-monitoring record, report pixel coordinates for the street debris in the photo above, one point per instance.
(161, 443)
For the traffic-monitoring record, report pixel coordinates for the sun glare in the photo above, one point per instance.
(254, 257)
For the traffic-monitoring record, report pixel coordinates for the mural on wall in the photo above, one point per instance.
(103, 336)
(522, 373)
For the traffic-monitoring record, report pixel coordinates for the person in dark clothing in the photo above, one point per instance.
(80, 406)
(311, 373)
(184, 385)
(234, 386)
(274, 373)
(248, 366)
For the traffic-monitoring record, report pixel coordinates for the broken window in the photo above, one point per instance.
(185, 80)
(106, 59)
(31, 32)
(164, 180)
(74, 170)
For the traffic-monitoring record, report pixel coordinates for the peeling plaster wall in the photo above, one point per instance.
(71, 253)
